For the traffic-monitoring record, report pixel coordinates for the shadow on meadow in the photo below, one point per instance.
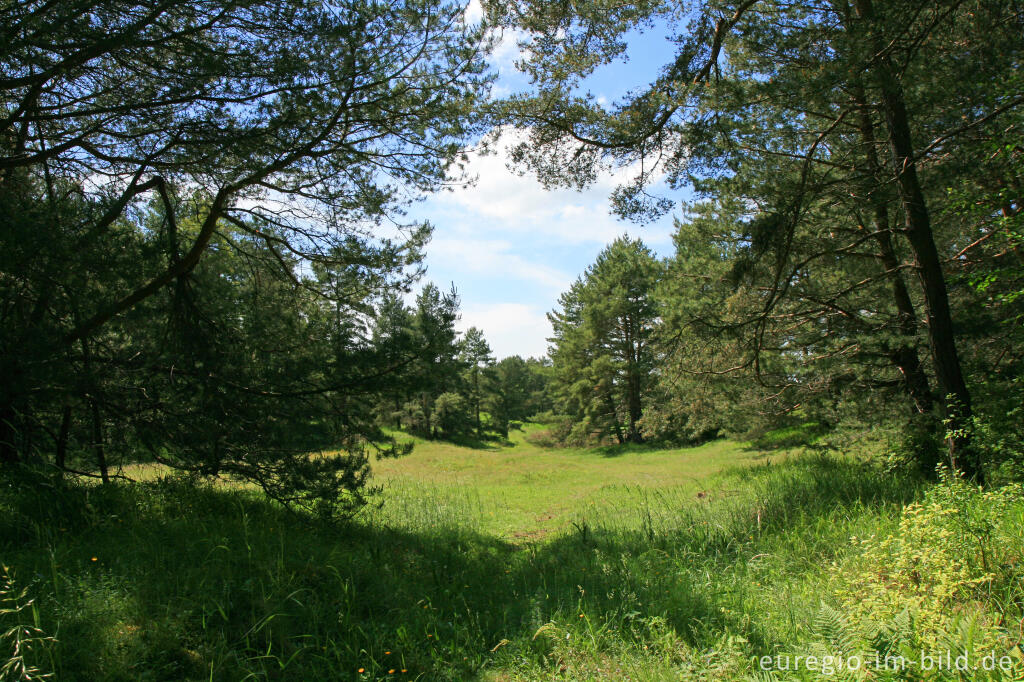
(164, 581)
(611, 450)
(489, 441)
(617, 450)
(796, 435)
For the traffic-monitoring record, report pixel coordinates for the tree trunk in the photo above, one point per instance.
(97, 421)
(62, 438)
(8, 434)
(97, 437)
(905, 356)
(955, 397)
(425, 404)
(634, 406)
(615, 420)
(632, 352)
(10, 391)
(476, 402)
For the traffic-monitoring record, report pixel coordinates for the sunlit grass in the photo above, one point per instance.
(507, 563)
(526, 491)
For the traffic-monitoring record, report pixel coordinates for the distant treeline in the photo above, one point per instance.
(446, 384)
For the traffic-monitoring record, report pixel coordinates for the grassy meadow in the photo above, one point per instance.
(519, 562)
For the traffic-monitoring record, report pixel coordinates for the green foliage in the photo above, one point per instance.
(794, 436)
(927, 587)
(190, 253)
(413, 417)
(475, 354)
(601, 354)
(447, 384)
(834, 149)
(517, 390)
(25, 643)
(454, 416)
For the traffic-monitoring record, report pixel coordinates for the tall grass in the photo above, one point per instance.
(166, 581)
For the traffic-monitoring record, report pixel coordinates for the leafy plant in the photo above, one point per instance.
(928, 583)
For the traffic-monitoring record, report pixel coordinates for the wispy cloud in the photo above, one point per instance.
(494, 258)
(507, 51)
(519, 204)
(473, 13)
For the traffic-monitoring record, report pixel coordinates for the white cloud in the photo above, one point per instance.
(510, 328)
(473, 12)
(511, 247)
(520, 205)
(507, 51)
(495, 258)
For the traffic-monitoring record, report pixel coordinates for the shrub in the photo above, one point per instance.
(931, 585)
(453, 415)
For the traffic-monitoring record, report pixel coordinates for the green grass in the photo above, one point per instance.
(507, 563)
(519, 490)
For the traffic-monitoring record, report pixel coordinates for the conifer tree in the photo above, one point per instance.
(833, 127)
(475, 355)
(190, 197)
(602, 353)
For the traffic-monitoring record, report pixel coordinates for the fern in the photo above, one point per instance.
(833, 627)
(894, 637)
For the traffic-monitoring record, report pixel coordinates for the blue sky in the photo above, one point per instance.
(511, 247)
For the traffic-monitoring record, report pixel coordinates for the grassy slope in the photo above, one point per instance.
(501, 564)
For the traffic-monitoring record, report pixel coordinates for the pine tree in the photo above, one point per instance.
(602, 353)
(189, 202)
(833, 127)
(475, 355)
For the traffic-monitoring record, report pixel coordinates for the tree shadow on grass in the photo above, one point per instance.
(165, 581)
(616, 450)
(789, 437)
(488, 441)
(611, 450)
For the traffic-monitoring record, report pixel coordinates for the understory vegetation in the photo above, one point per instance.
(662, 565)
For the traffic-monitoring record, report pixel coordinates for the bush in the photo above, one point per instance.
(414, 419)
(931, 585)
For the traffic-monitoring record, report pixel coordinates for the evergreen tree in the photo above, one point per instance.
(436, 368)
(394, 340)
(188, 200)
(475, 355)
(602, 354)
(507, 392)
(830, 126)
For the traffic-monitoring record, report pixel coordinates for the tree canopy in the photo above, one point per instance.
(601, 350)
(827, 142)
(201, 203)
